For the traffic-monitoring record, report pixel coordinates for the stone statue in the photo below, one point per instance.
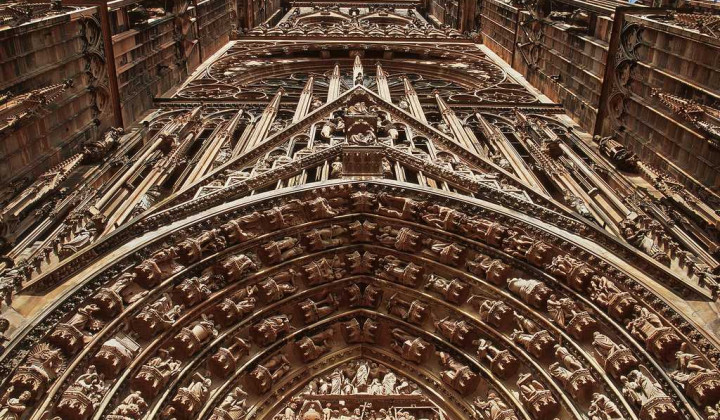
(457, 375)
(569, 316)
(367, 297)
(361, 264)
(80, 399)
(602, 408)
(701, 384)
(413, 312)
(502, 363)
(233, 407)
(531, 291)
(410, 347)
(454, 291)
(314, 346)
(493, 408)
(648, 396)
(275, 252)
(324, 270)
(356, 333)
(315, 310)
(492, 270)
(225, 361)
(399, 207)
(403, 239)
(234, 268)
(278, 287)
(189, 399)
(395, 270)
(270, 329)
(265, 375)
(445, 252)
(494, 312)
(619, 304)
(131, 408)
(576, 379)
(329, 237)
(616, 359)
(537, 341)
(155, 317)
(459, 332)
(362, 231)
(192, 249)
(660, 340)
(537, 399)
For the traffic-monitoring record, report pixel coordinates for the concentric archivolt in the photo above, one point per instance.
(249, 309)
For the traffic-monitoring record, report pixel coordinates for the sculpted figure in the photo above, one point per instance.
(363, 201)
(485, 230)
(225, 361)
(368, 297)
(270, 329)
(616, 359)
(81, 239)
(459, 332)
(356, 333)
(502, 363)
(161, 265)
(569, 316)
(361, 264)
(314, 346)
(314, 311)
(80, 400)
(537, 341)
(454, 291)
(241, 229)
(402, 239)
(522, 246)
(362, 231)
(410, 347)
(602, 408)
(13, 408)
(275, 252)
(457, 375)
(234, 268)
(395, 270)
(443, 217)
(319, 239)
(572, 374)
(111, 300)
(324, 270)
(289, 214)
(234, 308)
(155, 374)
(115, 355)
(446, 253)
(233, 407)
(413, 312)
(155, 317)
(537, 399)
(531, 291)
(190, 339)
(493, 312)
(192, 249)
(43, 365)
(575, 273)
(649, 397)
(279, 286)
(620, 305)
(71, 335)
(399, 207)
(659, 339)
(131, 408)
(320, 208)
(700, 383)
(192, 291)
(189, 399)
(494, 408)
(492, 270)
(265, 375)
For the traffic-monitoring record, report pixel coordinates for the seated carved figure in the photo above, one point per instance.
(459, 332)
(265, 375)
(659, 339)
(363, 201)
(369, 296)
(115, 355)
(399, 207)
(234, 308)
(112, 299)
(445, 252)
(274, 252)
(395, 270)
(569, 316)
(155, 374)
(362, 231)
(443, 217)
(615, 358)
(314, 346)
(488, 231)
(457, 375)
(502, 363)
(132, 407)
(155, 317)
(189, 399)
(493, 408)
(234, 268)
(79, 400)
(402, 239)
(324, 270)
(532, 250)
(241, 229)
(619, 304)
(576, 379)
(161, 265)
(361, 263)
(270, 329)
(454, 291)
(413, 312)
(289, 214)
(190, 339)
(191, 250)
(574, 272)
(537, 341)
(492, 270)
(533, 292)
(356, 333)
(279, 286)
(233, 407)
(225, 361)
(192, 291)
(41, 367)
(321, 208)
(602, 408)
(700, 383)
(537, 399)
(73, 334)
(494, 312)
(410, 347)
(315, 310)
(329, 237)
(648, 396)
